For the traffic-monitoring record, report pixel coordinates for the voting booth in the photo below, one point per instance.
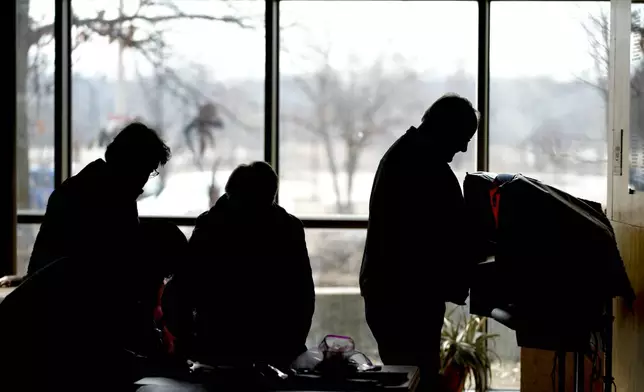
(551, 267)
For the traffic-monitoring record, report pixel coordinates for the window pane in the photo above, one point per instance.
(336, 256)
(25, 238)
(187, 231)
(506, 373)
(35, 103)
(354, 76)
(548, 109)
(548, 93)
(506, 369)
(205, 99)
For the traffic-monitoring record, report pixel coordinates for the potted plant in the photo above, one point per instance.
(465, 353)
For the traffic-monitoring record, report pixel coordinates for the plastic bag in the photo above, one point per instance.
(340, 356)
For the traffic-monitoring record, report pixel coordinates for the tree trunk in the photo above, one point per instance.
(159, 122)
(351, 165)
(328, 148)
(213, 194)
(22, 94)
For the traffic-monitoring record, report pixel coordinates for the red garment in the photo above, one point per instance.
(168, 338)
(495, 198)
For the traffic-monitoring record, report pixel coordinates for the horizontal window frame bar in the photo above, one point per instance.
(309, 222)
(393, 1)
(456, 1)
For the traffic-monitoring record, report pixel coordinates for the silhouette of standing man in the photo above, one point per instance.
(416, 255)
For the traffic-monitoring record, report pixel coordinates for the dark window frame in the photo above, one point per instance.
(63, 118)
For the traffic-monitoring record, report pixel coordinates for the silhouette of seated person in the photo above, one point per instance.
(86, 263)
(58, 332)
(94, 213)
(248, 279)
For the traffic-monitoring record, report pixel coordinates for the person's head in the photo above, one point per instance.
(450, 123)
(134, 156)
(254, 184)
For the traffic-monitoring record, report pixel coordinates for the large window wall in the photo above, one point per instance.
(319, 89)
(548, 112)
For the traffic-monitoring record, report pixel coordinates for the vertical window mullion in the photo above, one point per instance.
(62, 92)
(483, 94)
(483, 88)
(271, 85)
(9, 146)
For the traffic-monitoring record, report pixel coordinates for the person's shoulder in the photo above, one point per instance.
(92, 173)
(397, 151)
(66, 190)
(221, 206)
(215, 212)
(202, 218)
(392, 150)
(92, 169)
(281, 212)
(202, 225)
(290, 219)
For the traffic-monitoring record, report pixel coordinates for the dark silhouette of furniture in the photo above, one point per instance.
(549, 268)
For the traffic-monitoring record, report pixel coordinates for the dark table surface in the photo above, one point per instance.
(394, 378)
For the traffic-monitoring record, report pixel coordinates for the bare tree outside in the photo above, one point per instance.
(140, 30)
(554, 147)
(548, 140)
(348, 111)
(597, 29)
(341, 255)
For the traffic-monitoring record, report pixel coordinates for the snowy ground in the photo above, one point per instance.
(303, 191)
(186, 193)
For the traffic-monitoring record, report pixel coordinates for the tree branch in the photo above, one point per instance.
(112, 27)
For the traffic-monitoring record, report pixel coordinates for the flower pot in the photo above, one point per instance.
(453, 379)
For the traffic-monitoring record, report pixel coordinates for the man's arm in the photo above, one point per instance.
(435, 233)
(460, 246)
